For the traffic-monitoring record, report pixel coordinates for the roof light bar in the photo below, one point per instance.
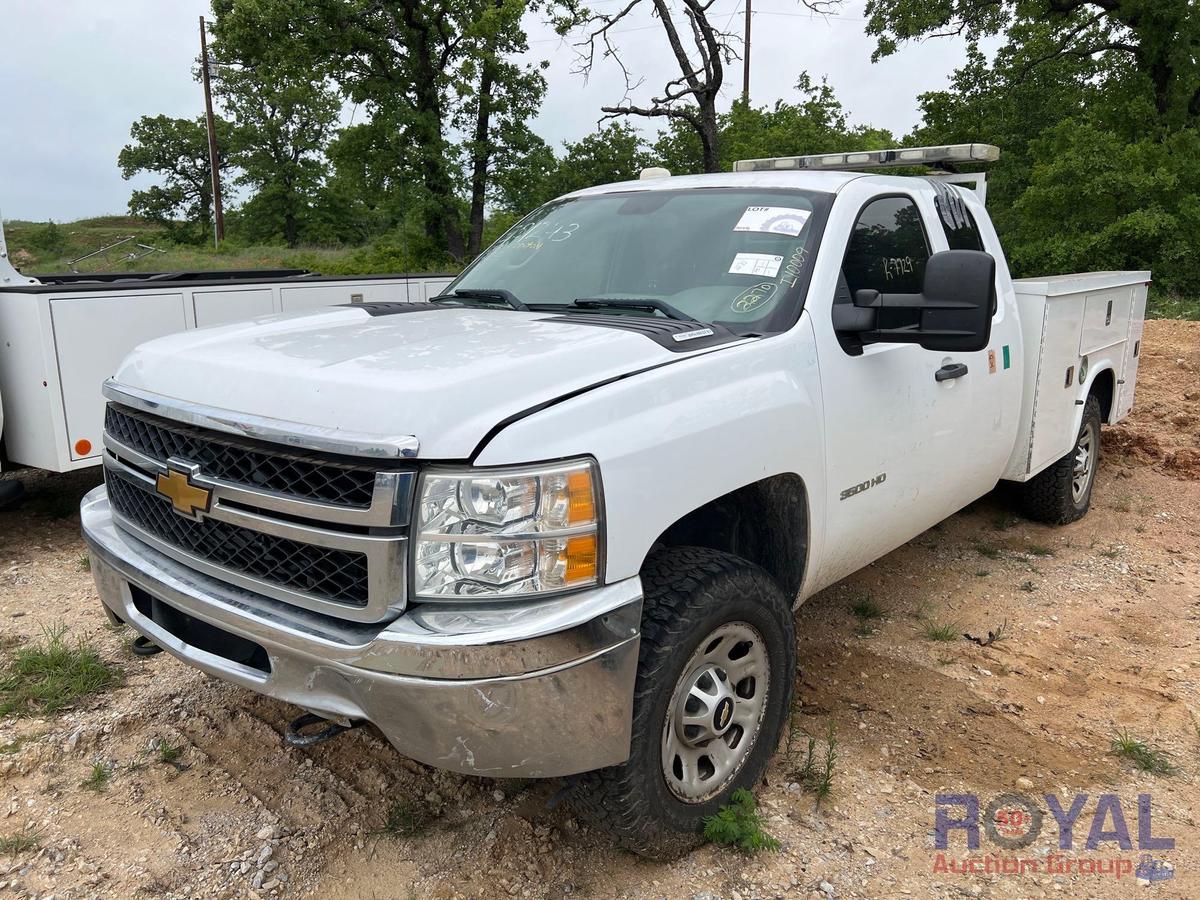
(874, 159)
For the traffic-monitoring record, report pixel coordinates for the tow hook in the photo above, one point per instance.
(143, 646)
(296, 736)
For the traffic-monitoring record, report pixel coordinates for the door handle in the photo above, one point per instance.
(951, 371)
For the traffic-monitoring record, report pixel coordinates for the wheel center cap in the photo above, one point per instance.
(723, 715)
(708, 707)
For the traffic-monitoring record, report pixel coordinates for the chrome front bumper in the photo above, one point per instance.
(536, 690)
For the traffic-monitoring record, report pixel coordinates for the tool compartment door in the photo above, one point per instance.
(1105, 319)
(1054, 401)
(219, 307)
(92, 335)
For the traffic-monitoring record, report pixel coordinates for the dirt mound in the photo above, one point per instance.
(1132, 446)
(1185, 463)
(1164, 428)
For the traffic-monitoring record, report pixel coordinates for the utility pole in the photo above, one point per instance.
(746, 61)
(218, 213)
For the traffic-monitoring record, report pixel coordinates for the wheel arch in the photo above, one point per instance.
(765, 522)
(1104, 386)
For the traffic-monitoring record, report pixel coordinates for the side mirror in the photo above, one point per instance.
(960, 295)
(953, 312)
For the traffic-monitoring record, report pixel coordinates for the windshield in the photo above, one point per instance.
(723, 255)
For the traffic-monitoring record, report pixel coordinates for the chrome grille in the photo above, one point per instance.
(226, 458)
(336, 575)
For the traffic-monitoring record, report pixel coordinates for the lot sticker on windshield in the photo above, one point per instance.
(753, 298)
(773, 220)
(764, 265)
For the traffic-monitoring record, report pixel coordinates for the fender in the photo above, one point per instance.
(672, 439)
(1098, 364)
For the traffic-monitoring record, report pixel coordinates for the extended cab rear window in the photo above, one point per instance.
(961, 231)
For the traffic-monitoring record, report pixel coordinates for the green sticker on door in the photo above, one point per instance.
(1007, 358)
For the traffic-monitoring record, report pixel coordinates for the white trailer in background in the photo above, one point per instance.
(61, 336)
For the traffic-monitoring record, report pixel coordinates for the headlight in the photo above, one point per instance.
(508, 532)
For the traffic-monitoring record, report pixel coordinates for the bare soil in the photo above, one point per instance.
(1101, 632)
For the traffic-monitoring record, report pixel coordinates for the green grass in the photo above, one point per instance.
(98, 779)
(922, 610)
(987, 550)
(406, 818)
(1172, 306)
(982, 573)
(1005, 521)
(166, 752)
(35, 248)
(941, 631)
(20, 841)
(1039, 550)
(85, 562)
(1110, 553)
(47, 676)
(867, 608)
(816, 770)
(15, 745)
(738, 825)
(1141, 754)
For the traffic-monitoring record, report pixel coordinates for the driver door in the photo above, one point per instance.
(896, 457)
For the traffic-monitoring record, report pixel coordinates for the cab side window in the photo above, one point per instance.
(888, 248)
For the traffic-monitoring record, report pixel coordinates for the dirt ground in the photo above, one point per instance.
(1101, 632)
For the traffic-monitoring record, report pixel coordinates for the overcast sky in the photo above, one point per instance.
(75, 73)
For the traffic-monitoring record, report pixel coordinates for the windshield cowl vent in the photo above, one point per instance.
(678, 337)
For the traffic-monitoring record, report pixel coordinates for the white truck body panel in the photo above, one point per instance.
(1097, 317)
(59, 343)
(463, 371)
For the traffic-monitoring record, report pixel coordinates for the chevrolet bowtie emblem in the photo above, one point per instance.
(187, 498)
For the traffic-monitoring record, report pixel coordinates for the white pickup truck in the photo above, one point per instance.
(555, 522)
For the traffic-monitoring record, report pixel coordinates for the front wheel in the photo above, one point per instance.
(1062, 492)
(714, 689)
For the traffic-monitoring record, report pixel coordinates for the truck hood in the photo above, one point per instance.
(444, 375)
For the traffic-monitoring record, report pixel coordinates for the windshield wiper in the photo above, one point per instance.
(486, 294)
(647, 304)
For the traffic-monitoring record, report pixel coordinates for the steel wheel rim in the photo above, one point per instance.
(1085, 463)
(716, 712)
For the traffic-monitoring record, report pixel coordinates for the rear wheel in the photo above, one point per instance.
(714, 689)
(1063, 492)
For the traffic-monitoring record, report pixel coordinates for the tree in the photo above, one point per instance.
(176, 150)
(285, 116)
(1158, 39)
(505, 96)
(816, 124)
(1091, 174)
(689, 101)
(614, 152)
(412, 63)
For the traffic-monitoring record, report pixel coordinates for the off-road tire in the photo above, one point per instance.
(12, 492)
(689, 591)
(1048, 497)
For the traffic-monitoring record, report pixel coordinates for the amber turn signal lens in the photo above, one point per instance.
(581, 558)
(581, 498)
(83, 447)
